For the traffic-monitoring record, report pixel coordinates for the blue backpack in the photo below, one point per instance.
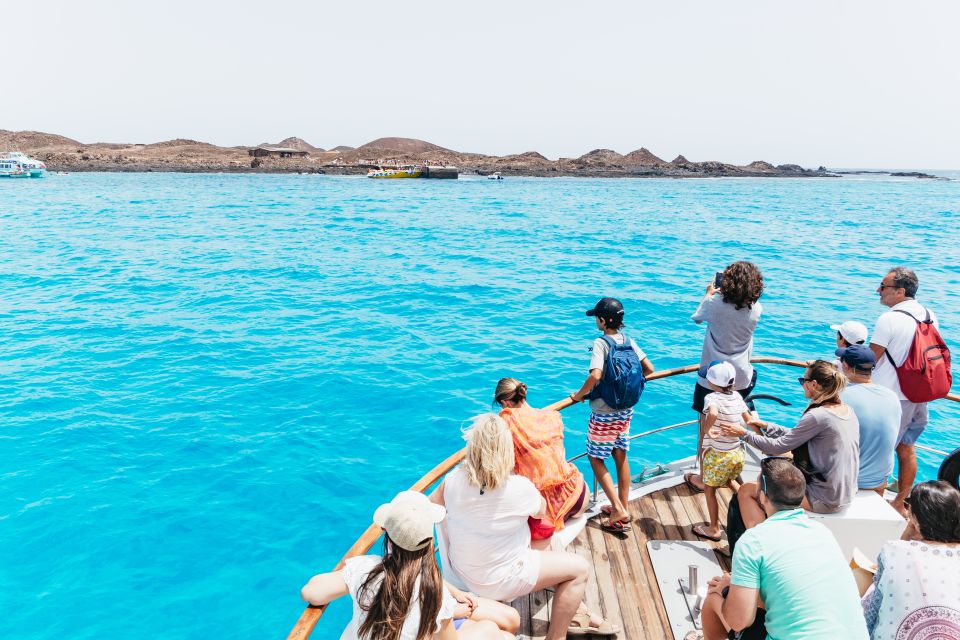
(622, 381)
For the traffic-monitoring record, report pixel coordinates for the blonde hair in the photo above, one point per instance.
(489, 459)
(510, 390)
(831, 383)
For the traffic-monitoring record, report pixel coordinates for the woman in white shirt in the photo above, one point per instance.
(402, 596)
(916, 591)
(488, 508)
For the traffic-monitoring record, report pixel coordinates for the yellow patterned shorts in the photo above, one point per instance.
(720, 467)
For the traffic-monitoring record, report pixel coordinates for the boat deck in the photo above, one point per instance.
(622, 583)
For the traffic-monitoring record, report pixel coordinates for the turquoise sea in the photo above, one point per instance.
(208, 382)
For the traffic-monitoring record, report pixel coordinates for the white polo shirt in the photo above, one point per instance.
(894, 332)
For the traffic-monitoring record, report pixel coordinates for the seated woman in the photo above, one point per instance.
(540, 457)
(402, 596)
(831, 433)
(489, 539)
(917, 584)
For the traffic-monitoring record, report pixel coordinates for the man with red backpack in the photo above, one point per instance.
(913, 361)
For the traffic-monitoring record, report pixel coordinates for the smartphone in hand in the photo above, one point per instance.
(718, 280)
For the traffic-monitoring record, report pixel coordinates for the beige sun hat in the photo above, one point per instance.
(408, 519)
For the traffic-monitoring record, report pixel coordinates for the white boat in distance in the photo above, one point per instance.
(16, 164)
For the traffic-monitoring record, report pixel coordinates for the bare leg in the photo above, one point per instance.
(713, 509)
(696, 479)
(907, 461)
(750, 509)
(714, 627)
(543, 544)
(568, 573)
(503, 615)
(605, 480)
(481, 630)
(623, 476)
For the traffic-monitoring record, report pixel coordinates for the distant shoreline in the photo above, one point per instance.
(294, 155)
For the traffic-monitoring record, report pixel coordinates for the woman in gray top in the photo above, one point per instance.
(731, 318)
(825, 445)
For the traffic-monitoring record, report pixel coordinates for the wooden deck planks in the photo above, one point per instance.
(606, 583)
(622, 583)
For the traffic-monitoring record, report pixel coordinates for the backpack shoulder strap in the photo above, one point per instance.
(913, 317)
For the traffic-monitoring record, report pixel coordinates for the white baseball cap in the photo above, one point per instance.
(721, 374)
(408, 519)
(852, 331)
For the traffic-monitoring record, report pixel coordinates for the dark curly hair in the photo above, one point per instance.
(742, 284)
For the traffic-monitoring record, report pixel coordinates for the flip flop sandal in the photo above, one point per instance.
(607, 510)
(620, 526)
(693, 487)
(697, 530)
(693, 635)
(580, 626)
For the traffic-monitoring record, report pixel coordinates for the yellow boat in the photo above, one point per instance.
(400, 172)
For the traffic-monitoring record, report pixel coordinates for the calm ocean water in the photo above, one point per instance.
(208, 382)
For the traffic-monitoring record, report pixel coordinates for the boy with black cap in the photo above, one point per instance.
(878, 411)
(609, 426)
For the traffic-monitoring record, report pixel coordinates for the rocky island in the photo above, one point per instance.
(294, 155)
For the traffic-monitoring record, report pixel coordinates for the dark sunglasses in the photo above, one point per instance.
(802, 379)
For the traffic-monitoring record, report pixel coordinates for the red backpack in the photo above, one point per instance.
(925, 374)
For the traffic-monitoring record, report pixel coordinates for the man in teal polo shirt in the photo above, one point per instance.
(789, 567)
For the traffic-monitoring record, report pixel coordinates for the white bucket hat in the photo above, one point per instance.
(722, 374)
(852, 331)
(408, 519)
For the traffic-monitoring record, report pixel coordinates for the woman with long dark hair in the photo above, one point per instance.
(402, 595)
(731, 319)
(825, 445)
(917, 584)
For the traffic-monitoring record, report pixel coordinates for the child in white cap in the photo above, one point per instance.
(848, 333)
(722, 455)
(380, 586)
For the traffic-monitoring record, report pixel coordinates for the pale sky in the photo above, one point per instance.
(840, 83)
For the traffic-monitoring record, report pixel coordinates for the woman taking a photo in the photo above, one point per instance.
(731, 319)
(489, 539)
(825, 445)
(540, 457)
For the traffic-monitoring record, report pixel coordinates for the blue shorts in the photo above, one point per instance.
(913, 421)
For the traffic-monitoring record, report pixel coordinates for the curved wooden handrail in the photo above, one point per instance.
(308, 619)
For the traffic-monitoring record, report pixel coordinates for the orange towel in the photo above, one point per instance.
(540, 457)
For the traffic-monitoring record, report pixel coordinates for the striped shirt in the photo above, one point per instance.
(730, 409)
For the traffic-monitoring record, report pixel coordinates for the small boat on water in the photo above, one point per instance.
(495, 176)
(399, 172)
(651, 583)
(16, 164)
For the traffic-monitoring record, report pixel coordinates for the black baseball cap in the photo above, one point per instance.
(858, 356)
(606, 308)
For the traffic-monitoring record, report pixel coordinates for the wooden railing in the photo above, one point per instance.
(308, 619)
